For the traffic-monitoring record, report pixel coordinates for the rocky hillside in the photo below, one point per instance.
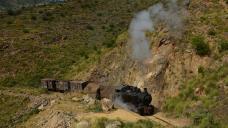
(60, 40)
(81, 39)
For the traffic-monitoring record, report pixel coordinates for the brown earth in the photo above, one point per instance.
(63, 110)
(124, 115)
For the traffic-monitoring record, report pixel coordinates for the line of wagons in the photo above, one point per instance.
(63, 86)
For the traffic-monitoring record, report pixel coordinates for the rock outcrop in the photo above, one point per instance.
(107, 105)
(56, 120)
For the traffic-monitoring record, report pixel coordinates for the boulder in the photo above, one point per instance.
(89, 100)
(107, 105)
(76, 99)
(53, 102)
(41, 107)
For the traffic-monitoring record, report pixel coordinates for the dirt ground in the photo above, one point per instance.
(62, 112)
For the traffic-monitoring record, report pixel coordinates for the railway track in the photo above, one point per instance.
(157, 119)
(164, 122)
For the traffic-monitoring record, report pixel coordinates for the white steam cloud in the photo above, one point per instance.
(119, 103)
(170, 15)
(139, 25)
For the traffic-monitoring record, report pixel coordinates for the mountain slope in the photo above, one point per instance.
(60, 39)
(82, 39)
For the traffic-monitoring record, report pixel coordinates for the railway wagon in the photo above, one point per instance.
(62, 86)
(77, 85)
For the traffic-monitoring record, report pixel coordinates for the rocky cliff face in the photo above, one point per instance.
(172, 63)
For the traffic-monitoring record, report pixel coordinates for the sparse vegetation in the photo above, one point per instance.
(65, 41)
(41, 49)
(205, 91)
(10, 109)
(95, 108)
(201, 70)
(102, 122)
(204, 119)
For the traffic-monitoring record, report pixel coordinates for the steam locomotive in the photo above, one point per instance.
(134, 99)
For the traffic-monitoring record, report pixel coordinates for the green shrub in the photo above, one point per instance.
(201, 70)
(211, 32)
(62, 15)
(33, 18)
(200, 46)
(13, 12)
(99, 14)
(8, 82)
(90, 27)
(110, 44)
(143, 124)
(99, 123)
(172, 105)
(84, 54)
(25, 30)
(203, 119)
(223, 46)
(95, 108)
(47, 16)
